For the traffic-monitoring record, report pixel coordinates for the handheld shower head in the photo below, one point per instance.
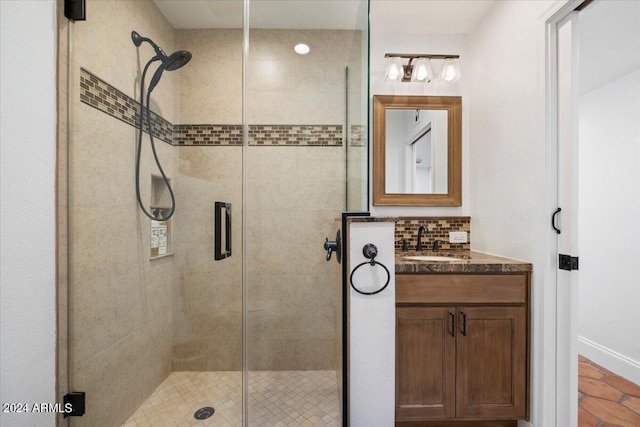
(172, 62)
(177, 60)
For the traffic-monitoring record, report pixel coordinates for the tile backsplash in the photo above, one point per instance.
(439, 228)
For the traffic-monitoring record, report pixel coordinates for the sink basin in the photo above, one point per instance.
(433, 258)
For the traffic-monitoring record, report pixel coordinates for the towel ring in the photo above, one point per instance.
(369, 251)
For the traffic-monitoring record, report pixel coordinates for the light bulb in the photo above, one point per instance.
(450, 71)
(422, 71)
(394, 69)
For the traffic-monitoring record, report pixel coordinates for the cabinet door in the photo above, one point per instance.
(425, 363)
(492, 362)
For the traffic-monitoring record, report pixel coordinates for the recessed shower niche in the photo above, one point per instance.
(159, 208)
(280, 137)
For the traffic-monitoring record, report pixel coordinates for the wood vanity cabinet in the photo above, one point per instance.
(462, 344)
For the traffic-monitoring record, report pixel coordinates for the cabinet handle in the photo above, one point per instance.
(452, 324)
(464, 323)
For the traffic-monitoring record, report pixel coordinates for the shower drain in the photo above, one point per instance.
(204, 413)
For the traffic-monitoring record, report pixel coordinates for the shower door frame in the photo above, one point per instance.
(64, 357)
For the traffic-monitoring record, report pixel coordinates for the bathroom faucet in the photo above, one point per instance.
(436, 243)
(423, 228)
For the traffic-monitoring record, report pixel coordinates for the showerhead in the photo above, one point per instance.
(172, 62)
(176, 60)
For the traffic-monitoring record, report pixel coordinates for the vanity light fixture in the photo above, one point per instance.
(418, 68)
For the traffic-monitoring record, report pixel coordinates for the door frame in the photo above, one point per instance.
(557, 317)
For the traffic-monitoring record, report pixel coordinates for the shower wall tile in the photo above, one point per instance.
(210, 86)
(207, 294)
(106, 380)
(292, 301)
(439, 228)
(106, 98)
(285, 107)
(103, 46)
(184, 312)
(283, 87)
(120, 302)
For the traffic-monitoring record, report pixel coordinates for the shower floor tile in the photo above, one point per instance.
(276, 398)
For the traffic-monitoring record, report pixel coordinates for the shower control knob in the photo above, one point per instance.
(332, 246)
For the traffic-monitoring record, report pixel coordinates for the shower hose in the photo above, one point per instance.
(153, 149)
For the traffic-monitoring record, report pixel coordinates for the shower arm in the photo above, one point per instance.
(138, 39)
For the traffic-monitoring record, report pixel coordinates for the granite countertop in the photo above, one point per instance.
(471, 262)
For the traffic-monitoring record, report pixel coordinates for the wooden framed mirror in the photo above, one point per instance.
(417, 150)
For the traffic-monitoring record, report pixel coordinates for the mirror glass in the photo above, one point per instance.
(417, 150)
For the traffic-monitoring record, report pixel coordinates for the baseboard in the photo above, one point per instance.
(609, 359)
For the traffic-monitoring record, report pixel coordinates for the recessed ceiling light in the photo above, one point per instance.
(301, 48)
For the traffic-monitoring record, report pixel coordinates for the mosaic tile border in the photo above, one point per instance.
(106, 98)
(439, 228)
(316, 135)
(207, 135)
(358, 136)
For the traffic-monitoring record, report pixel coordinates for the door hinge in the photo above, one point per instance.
(567, 262)
(76, 401)
(75, 10)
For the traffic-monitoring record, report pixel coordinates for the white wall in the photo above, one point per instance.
(372, 328)
(507, 154)
(412, 41)
(609, 215)
(609, 225)
(440, 140)
(28, 122)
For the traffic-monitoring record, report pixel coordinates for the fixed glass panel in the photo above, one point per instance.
(304, 106)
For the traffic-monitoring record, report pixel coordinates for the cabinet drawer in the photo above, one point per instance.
(461, 288)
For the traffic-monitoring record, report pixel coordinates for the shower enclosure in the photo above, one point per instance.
(164, 329)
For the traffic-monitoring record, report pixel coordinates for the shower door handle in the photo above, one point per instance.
(222, 219)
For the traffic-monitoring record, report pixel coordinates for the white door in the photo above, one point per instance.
(567, 220)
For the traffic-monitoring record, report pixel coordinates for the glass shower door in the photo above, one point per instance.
(155, 320)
